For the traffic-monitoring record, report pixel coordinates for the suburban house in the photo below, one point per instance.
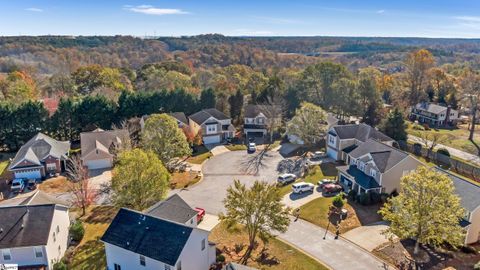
(434, 115)
(136, 240)
(256, 120)
(40, 156)
(180, 117)
(174, 208)
(331, 121)
(213, 124)
(342, 139)
(374, 166)
(34, 232)
(99, 147)
(470, 201)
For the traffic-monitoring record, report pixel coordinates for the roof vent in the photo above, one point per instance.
(146, 228)
(1, 230)
(128, 243)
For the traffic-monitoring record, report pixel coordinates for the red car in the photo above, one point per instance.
(200, 214)
(332, 188)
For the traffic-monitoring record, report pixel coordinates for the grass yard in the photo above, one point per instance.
(316, 212)
(184, 179)
(278, 255)
(236, 147)
(90, 253)
(316, 173)
(57, 184)
(200, 155)
(4, 162)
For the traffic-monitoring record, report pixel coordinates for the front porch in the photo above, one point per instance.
(351, 178)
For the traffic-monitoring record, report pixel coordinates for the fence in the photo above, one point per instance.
(451, 163)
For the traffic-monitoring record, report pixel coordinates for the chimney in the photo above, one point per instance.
(447, 118)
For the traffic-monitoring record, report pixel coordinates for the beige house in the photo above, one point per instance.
(99, 147)
(214, 125)
(375, 167)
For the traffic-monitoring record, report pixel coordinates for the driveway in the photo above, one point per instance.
(369, 236)
(99, 178)
(219, 149)
(296, 200)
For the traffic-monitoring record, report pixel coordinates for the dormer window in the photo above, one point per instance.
(373, 173)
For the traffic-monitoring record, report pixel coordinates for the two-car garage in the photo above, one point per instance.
(99, 163)
(28, 174)
(212, 139)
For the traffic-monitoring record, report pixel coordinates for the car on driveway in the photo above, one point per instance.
(324, 182)
(32, 184)
(18, 185)
(302, 187)
(252, 147)
(286, 178)
(331, 189)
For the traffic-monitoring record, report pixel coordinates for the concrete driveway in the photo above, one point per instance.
(296, 200)
(369, 236)
(100, 177)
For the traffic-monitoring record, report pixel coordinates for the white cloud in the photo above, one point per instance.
(34, 9)
(273, 20)
(381, 11)
(469, 22)
(151, 10)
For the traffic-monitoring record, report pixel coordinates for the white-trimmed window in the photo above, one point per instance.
(7, 254)
(211, 129)
(203, 244)
(142, 260)
(51, 166)
(38, 252)
(167, 267)
(58, 229)
(54, 237)
(179, 265)
(362, 166)
(331, 140)
(373, 172)
(117, 267)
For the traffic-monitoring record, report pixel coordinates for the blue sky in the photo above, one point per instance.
(420, 18)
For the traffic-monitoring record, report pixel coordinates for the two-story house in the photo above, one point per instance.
(256, 120)
(375, 167)
(213, 124)
(40, 156)
(434, 115)
(174, 208)
(342, 139)
(33, 232)
(99, 147)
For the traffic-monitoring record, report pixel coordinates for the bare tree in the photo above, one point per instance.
(432, 140)
(77, 174)
(471, 91)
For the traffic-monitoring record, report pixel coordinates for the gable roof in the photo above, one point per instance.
(202, 116)
(37, 197)
(361, 132)
(384, 156)
(468, 192)
(174, 208)
(430, 107)
(25, 226)
(146, 235)
(100, 140)
(40, 147)
(180, 116)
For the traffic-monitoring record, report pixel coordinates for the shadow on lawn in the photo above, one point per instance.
(366, 214)
(90, 255)
(101, 214)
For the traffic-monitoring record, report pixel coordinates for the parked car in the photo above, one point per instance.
(318, 155)
(252, 147)
(32, 184)
(18, 185)
(302, 187)
(286, 178)
(324, 182)
(330, 189)
(200, 214)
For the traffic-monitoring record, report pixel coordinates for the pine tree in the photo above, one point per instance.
(394, 126)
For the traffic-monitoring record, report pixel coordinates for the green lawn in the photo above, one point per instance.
(316, 173)
(200, 155)
(236, 147)
(4, 161)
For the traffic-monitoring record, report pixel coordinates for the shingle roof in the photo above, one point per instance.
(366, 181)
(143, 234)
(100, 139)
(468, 192)
(174, 208)
(430, 107)
(37, 197)
(253, 110)
(202, 116)
(180, 116)
(361, 132)
(384, 156)
(38, 148)
(36, 221)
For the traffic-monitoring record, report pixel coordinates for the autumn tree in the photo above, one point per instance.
(208, 99)
(470, 83)
(309, 124)
(18, 87)
(431, 140)
(139, 180)
(84, 194)
(258, 208)
(426, 209)
(162, 136)
(347, 101)
(418, 65)
(394, 125)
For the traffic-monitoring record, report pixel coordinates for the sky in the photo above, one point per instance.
(402, 18)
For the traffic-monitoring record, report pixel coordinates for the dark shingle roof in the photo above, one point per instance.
(468, 192)
(202, 116)
(384, 156)
(361, 132)
(180, 116)
(36, 220)
(39, 147)
(174, 208)
(366, 181)
(152, 237)
(37, 197)
(252, 110)
(101, 139)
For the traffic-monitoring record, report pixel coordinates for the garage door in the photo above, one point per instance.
(99, 164)
(332, 153)
(30, 174)
(211, 139)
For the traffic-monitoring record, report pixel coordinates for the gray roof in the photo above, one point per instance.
(253, 110)
(384, 156)
(430, 107)
(331, 119)
(236, 266)
(37, 197)
(180, 116)
(100, 139)
(36, 221)
(361, 132)
(468, 192)
(38, 148)
(174, 208)
(202, 116)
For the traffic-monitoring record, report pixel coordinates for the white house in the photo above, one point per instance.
(342, 139)
(98, 147)
(136, 240)
(34, 234)
(434, 115)
(214, 125)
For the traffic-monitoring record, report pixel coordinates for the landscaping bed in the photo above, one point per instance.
(231, 243)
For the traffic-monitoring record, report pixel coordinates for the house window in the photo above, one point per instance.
(117, 267)
(362, 166)
(211, 128)
(7, 255)
(191, 221)
(373, 173)
(54, 237)
(203, 244)
(167, 267)
(51, 166)
(179, 265)
(142, 260)
(38, 252)
(331, 139)
(58, 229)
(59, 250)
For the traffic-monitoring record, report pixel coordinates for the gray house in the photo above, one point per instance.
(213, 124)
(375, 166)
(434, 115)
